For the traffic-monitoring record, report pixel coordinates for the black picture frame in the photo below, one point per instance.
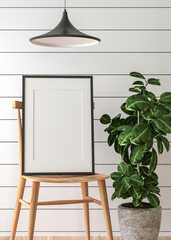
(24, 77)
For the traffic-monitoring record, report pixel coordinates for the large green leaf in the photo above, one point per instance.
(150, 181)
(125, 154)
(138, 103)
(153, 162)
(134, 90)
(161, 113)
(150, 94)
(126, 182)
(120, 190)
(147, 116)
(137, 75)
(159, 146)
(166, 143)
(117, 146)
(113, 196)
(116, 176)
(109, 129)
(155, 190)
(125, 195)
(138, 83)
(122, 168)
(117, 117)
(111, 139)
(165, 97)
(116, 122)
(144, 171)
(135, 192)
(124, 137)
(144, 195)
(142, 88)
(113, 125)
(131, 120)
(147, 146)
(167, 106)
(154, 176)
(129, 170)
(141, 133)
(105, 119)
(136, 202)
(115, 184)
(136, 155)
(164, 124)
(146, 158)
(123, 108)
(136, 180)
(123, 128)
(154, 81)
(153, 199)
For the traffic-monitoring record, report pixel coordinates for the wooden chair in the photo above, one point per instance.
(36, 180)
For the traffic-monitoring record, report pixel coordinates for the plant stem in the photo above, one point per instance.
(138, 169)
(146, 83)
(138, 164)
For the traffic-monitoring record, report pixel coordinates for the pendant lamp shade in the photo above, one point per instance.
(64, 35)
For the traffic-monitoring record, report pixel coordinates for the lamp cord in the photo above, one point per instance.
(64, 4)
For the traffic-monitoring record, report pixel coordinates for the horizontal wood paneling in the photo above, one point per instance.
(106, 155)
(87, 18)
(103, 105)
(70, 220)
(48, 194)
(100, 135)
(8, 129)
(162, 171)
(86, 3)
(101, 63)
(117, 86)
(12, 172)
(103, 154)
(133, 34)
(10, 86)
(110, 106)
(6, 110)
(104, 86)
(9, 153)
(111, 41)
(62, 220)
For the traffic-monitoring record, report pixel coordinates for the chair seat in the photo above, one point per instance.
(66, 178)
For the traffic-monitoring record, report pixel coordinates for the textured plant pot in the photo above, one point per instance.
(139, 223)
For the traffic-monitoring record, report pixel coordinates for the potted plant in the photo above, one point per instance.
(147, 119)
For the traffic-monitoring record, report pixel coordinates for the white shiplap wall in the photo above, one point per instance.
(136, 36)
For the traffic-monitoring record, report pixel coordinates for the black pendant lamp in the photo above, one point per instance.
(65, 35)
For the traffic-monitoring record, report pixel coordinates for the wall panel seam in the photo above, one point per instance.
(87, 29)
(86, 7)
(100, 52)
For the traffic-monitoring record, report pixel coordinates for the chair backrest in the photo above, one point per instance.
(18, 105)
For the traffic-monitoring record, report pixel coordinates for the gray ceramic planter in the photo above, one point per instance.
(139, 223)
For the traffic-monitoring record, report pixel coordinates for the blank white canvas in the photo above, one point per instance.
(57, 125)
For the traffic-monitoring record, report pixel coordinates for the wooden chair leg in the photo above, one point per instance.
(20, 192)
(33, 209)
(105, 206)
(84, 188)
